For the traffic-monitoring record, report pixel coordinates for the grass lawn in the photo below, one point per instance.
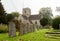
(35, 36)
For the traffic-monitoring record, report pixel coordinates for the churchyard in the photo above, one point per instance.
(26, 32)
(33, 36)
(16, 26)
(18, 31)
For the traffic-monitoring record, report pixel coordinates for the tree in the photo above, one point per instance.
(44, 21)
(15, 14)
(46, 13)
(12, 16)
(2, 14)
(9, 17)
(56, 22)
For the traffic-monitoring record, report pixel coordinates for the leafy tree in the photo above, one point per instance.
(44, 21)
(9, 17)
(56, 22)
(15, 14)
(2, 14)
(12, 16)
(46, 13)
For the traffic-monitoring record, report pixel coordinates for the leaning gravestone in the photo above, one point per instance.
(12, 29)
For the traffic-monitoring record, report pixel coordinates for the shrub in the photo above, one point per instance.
(44, 21)
(3, 28)
(56, 22)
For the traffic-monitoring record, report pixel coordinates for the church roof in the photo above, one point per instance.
(25, 17)
(32, 17)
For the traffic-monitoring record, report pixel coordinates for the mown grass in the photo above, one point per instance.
(34, 36)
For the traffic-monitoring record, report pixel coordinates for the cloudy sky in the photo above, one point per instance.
(34, 5)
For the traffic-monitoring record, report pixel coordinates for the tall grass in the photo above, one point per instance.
(3, 28)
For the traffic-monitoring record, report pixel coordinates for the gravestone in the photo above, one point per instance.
(12, 29)
(25, 29)
(38, 27)
(59, 26)
(33, 28)
(28, 28)
(21, 29)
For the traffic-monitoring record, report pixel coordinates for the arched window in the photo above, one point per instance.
(25, 11)
(35, 22)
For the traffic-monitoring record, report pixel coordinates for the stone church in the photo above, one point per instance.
(26, 17)
(26, 23)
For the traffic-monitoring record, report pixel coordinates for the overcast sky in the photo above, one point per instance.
(34, 5)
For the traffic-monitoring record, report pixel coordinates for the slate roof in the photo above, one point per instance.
(24, 17)
(32, 17)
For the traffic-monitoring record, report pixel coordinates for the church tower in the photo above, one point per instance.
(26, 12)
